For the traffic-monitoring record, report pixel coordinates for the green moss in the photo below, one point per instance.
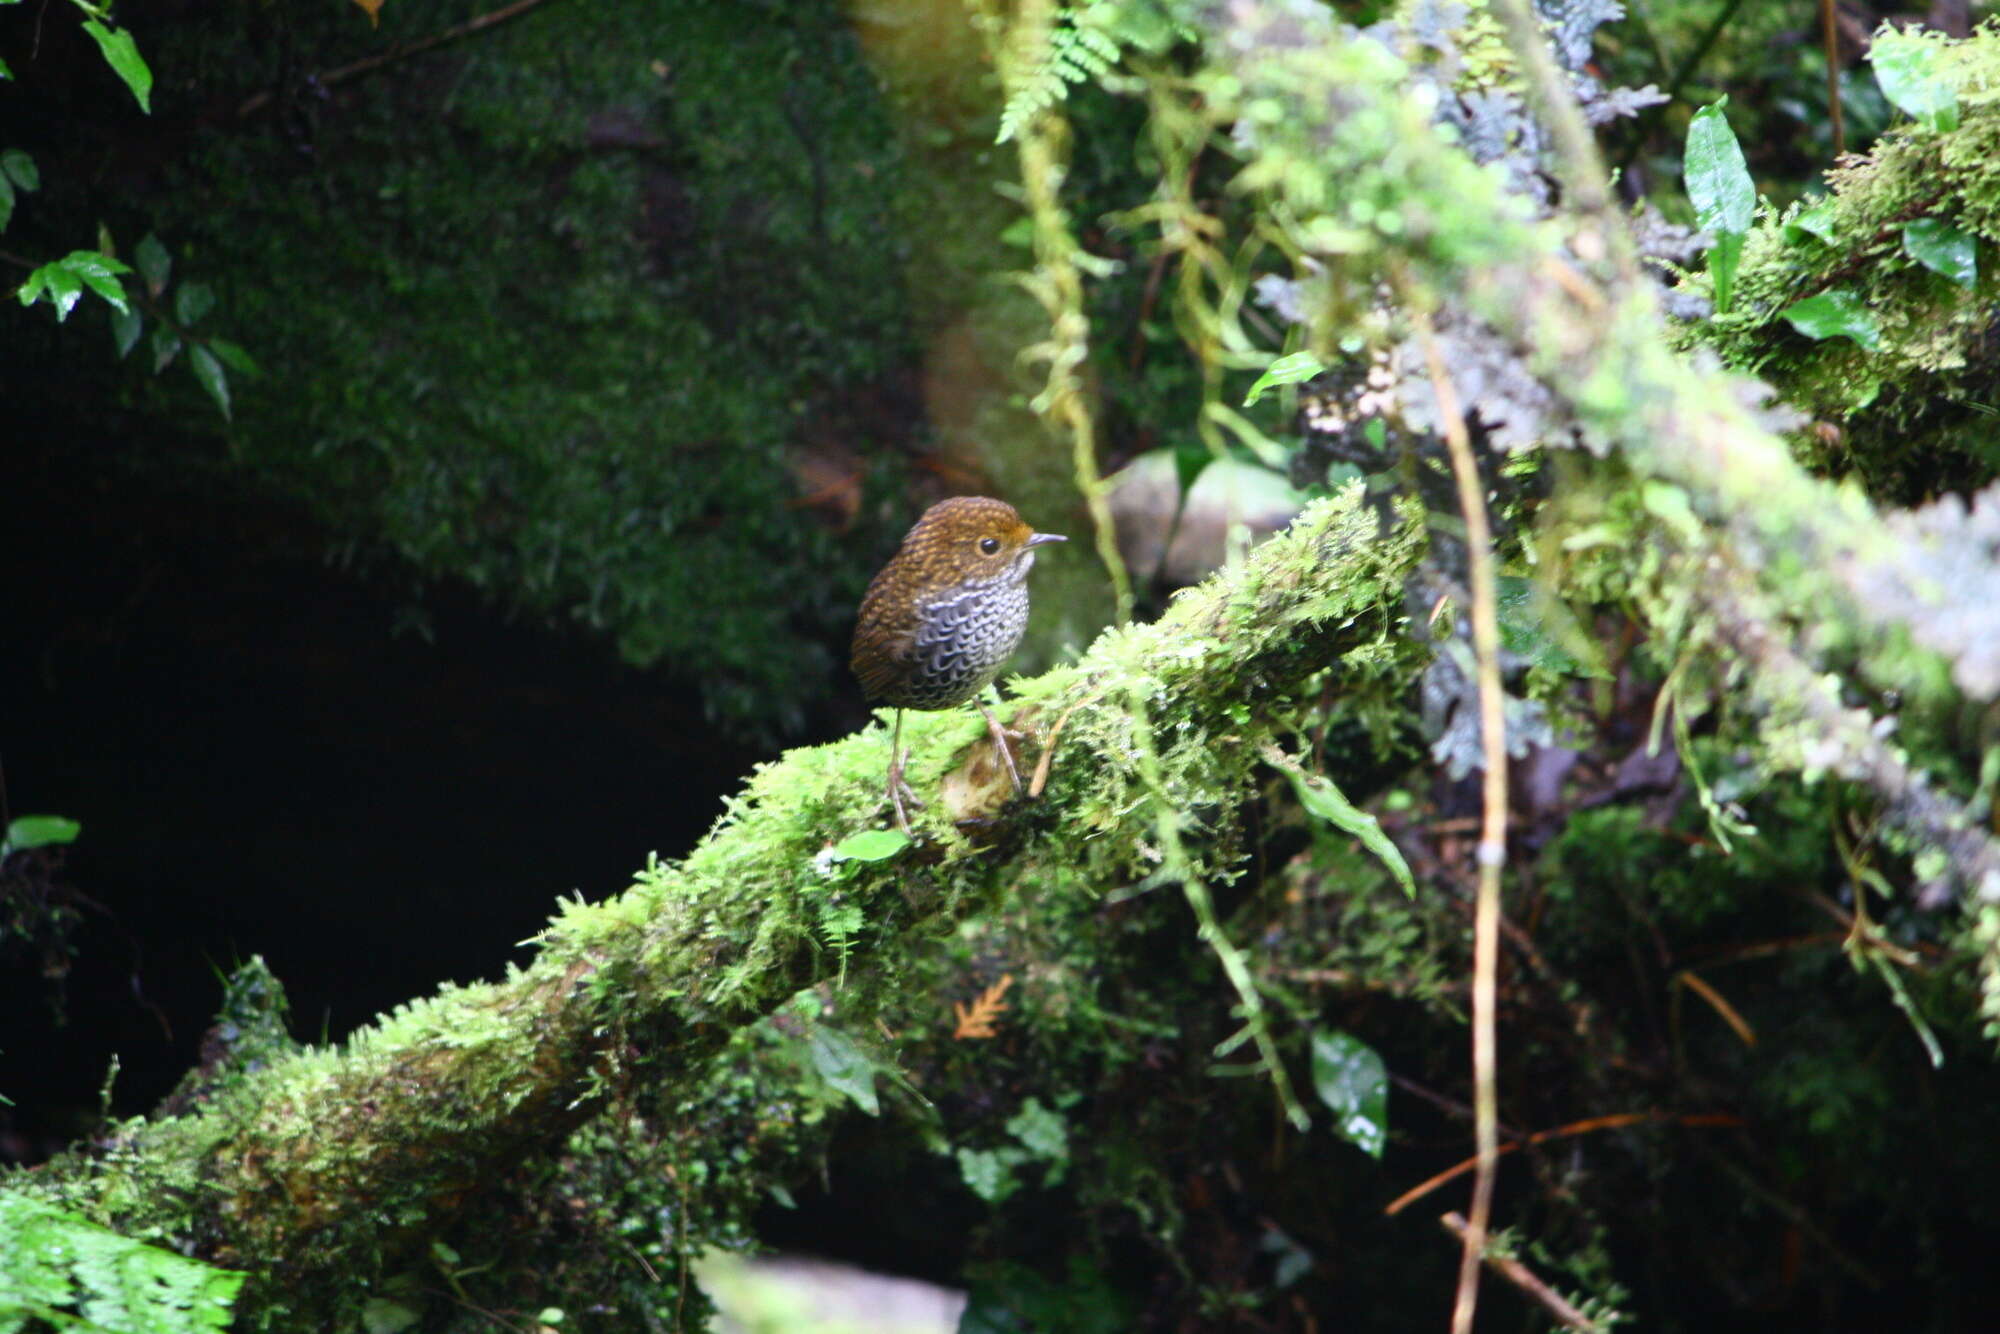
(1909, 412)
(559, 312)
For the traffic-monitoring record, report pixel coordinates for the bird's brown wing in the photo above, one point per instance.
(883, 644)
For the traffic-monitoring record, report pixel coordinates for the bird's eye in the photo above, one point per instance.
(989, 545)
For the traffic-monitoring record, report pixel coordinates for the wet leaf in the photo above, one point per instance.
(1944, 249)
(1351, 1080)
(1907, 68)
(1838, 313)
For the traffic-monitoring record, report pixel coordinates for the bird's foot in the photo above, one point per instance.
(1000, 735)
(901, 797)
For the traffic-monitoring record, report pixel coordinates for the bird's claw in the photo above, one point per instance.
(901, 796)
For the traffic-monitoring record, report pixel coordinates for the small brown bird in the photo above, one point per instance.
(943, 615)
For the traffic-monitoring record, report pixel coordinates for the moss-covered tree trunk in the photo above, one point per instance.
(325, 1169)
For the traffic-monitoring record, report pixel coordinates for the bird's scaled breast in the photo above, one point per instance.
(964, 635)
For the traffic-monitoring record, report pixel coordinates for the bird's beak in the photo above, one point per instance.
(1036, 539)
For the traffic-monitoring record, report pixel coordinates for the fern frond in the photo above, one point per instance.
(1075, 53)
(977, 1019)
(51, 1262)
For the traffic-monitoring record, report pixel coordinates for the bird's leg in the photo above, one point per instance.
(1000, 740)
(899, 791)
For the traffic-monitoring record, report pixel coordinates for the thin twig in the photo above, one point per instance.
(258, 101)
(1493, 832)
(1589, 1125)
(1830, 28)
(1041, 778)
(1688, 978)
(1524, 1278)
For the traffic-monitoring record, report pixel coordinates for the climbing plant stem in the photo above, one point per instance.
(1492, 852)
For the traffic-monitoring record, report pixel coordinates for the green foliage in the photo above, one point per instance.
(871, 845)
(35, 831)
(63, 1271)
(17, 172)
(1078, 50)
(1882, 278)
(1040, 1136)
(843, 1066)
(1725, 202)
(1351, 1080)
(1123, 990)
(1013, 1299)
(1944, 249)
(1835, 313)
(122, 54)
(561, 324)
(62, 281)
(1324, 801)
(1908, 64)
(1290, 369)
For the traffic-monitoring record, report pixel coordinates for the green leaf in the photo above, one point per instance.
(1044, 1133)
(6, 73)
(6, 203)
(1724, 197)
(20, 169)
(166, 346)
(1723, 258)
(154, 263)
(990, 1172)
(1526, 619)
(1835, 313)
(871, 845)
(844, 1066)
(234, 357)
(1943, 248)
(1718, 180)
(213, 378)
(1815, 221)
(1285, 370)
(122, 54)
(193, 301)
(1907, 66)
(35, 831)
(126, 325)
(379, 1315)
(1322, 799)
(99, 272)
(64, 288)
(1351, 1080)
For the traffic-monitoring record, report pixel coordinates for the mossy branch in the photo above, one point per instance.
(1339, 124)
(334, 1165)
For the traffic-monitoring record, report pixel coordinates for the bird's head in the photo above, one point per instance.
(973, 540)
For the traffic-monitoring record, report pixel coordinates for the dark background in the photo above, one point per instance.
(269, 756)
